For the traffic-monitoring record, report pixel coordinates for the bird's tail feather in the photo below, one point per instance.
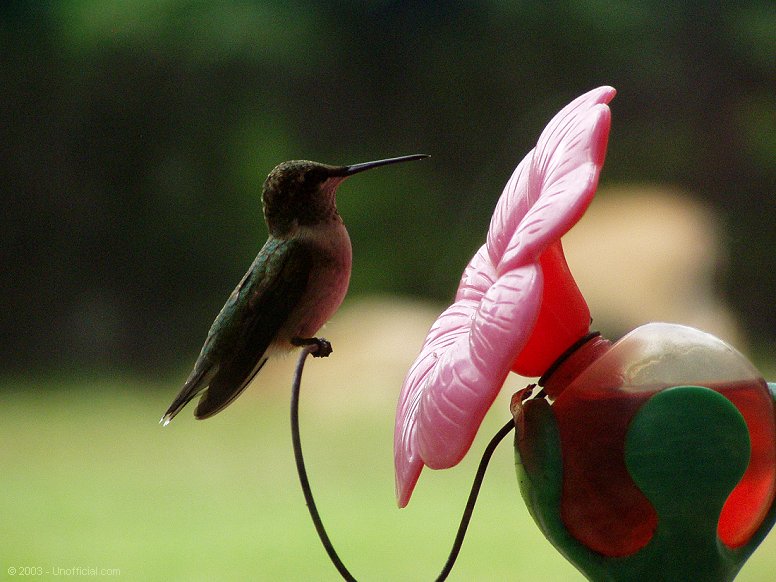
(194, 386)
(221, 394)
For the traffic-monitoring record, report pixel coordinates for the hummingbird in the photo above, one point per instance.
(294, 285)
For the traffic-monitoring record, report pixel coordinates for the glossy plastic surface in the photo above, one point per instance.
(601, 505)
(686, 448)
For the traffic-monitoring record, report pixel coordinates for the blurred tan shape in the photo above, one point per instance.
(644, 254)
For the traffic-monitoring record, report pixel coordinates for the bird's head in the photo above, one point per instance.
(301, 193)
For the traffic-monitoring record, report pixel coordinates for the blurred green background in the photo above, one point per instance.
(135, 138)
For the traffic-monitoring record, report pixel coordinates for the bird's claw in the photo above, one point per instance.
(319, 347)
(323, 348)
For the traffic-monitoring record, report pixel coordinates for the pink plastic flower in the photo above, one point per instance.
(517, 307)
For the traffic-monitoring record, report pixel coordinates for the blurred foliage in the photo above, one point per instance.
(136, 135)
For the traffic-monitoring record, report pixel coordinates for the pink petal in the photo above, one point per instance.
(472, 345)
(469, 350)
(454, 322)
(562, 146)
(469, 375)
(512, 206)
(564, 170)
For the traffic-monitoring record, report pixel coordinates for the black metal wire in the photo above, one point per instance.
(475, 490)
(308, 494)
(300, 467)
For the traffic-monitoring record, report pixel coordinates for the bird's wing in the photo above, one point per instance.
(235, 347)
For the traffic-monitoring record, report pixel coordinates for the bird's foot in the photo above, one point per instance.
(322, 346)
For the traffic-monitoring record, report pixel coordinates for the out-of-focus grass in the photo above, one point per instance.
(89, 479)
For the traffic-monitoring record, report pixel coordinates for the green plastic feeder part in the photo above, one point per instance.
(653, 458)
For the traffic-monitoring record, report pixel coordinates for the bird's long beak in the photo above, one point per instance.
(356, 168)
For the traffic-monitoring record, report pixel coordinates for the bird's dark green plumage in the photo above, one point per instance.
(235, 347)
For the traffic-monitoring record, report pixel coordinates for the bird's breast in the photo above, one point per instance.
(327, 283)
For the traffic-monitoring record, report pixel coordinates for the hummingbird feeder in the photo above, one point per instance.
(650, 458)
